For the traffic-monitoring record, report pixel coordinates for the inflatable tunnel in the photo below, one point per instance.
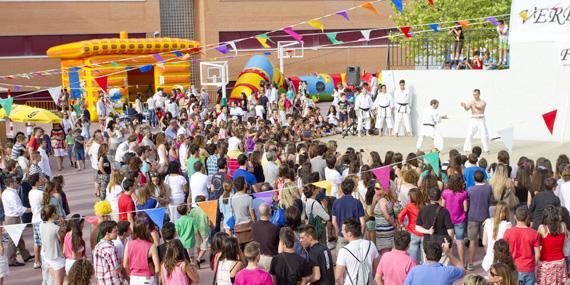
(257, 69)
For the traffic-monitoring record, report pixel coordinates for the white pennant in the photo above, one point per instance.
(507, 137)
(233, 45)
(366, 34)
(15, 232)
(54, 92)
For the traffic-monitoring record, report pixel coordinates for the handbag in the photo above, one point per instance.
(241, 231)
(509, 198)
(278, 217)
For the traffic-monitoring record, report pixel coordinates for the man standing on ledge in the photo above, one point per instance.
(477, 123)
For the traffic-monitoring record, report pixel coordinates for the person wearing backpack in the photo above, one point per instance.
(289, 268)
(434, 221)
(432, 272)
(315, 213)
(356, 261)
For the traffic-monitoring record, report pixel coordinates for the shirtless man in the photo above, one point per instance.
(477, 123)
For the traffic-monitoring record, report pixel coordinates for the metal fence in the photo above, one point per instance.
(434, 53)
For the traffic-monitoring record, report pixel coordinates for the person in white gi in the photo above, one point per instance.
(402, 109)
(363, 105)
(384, 105)
(477, 123)
(374, 85)
(428, 126)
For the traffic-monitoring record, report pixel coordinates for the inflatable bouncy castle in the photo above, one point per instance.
(131, 64)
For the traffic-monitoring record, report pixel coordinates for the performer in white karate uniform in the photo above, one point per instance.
(374, 85)
(384, 105)
(477, 123)
(428, 126)
(363, 105)
(402, 108)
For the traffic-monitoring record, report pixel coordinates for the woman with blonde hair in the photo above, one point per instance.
(114, 190)
(501, 274)
(493, 230)
(162, 151)
(502, 187)
(474, 279)
(290, 197)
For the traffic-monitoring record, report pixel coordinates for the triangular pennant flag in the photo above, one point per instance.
(210, 208)
(7, 105)
(399, 5)
(366, 34)
(383, 176)
(434, 27)
(186, 56)
(332, 38)
(146, 68)
(369, 6)
(343, 14)
(115, 64)
(54, 92)
(430, 2)
(158, 57)
(507, 137)
(267, 53)
(316, 24)
(267, 197)
(324, 185)
(524, 15)
(464, 23)
(233, 45)
(157, 216)
(102, 82)
(177, 53)
(223, 48)
(263, 41)
(15, 232)
(293, 34)
(406, 31)
(17, 88)
(91, 219)
(432, 159)
(493, 21)
(549, 119)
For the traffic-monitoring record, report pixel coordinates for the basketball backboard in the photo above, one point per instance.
(290, 49)
(214, 73)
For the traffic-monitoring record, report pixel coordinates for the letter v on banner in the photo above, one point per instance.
(15, 232)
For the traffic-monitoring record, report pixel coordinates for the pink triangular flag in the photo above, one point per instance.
(15, 231)
(102, 81)
(383, 176)
(293, 34)
(92, 220)
(549, 119)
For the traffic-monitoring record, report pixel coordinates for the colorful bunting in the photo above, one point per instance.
(177, 53)
(146, 68)
(267, 197)
(369, 6)
(17, 88)
(223, 49)
(493, 21)
(158, 57)
(262, 39)
(293, 34)
(186, 56)
(54, 92)
(432, 159)
(15, 232)
(102, 82)
(383, 176)
(463, 23)
(366, 34)
(332, 38)
(524, 15)
(210, 208)
(434, 27)
(507, 136)
(7, 105)
(115, 64)
(549, 119)
(343, 14)
(324, 185)
(406, 31)
(399, 5)
(316, 24)
(157, 216)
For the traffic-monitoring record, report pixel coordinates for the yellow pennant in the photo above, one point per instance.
(316, 24)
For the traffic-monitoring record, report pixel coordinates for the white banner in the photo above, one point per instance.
(564, 54)
(540, 21)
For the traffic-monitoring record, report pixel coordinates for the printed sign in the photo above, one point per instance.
(540, 21)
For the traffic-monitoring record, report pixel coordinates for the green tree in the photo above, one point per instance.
(418, 14)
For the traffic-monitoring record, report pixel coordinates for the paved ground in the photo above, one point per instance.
(79, 186)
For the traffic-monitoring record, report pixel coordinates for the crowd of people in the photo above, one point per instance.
(424, 228)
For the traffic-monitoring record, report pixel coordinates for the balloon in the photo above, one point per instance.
(115, 94)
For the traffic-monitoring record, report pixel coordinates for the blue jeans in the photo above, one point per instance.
(527, 278)
(152, 118)
(415, 249)
(460, 230)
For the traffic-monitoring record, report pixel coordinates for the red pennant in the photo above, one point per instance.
(430, 2)
(406, 31)
(549, 119)
(102, 81)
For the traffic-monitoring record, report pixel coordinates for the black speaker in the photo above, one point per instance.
(353, 75)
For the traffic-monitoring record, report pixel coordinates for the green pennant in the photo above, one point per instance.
(77, 108)
(432, 159)
(115, 64)
(7, 105)
(332, 38)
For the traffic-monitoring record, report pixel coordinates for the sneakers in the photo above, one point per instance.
(469, 267)
(37, 265)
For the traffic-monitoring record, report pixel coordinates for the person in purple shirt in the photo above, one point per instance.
(242, 171)
(455, 201)
(347, 207)
(432, 272)
(479, 202)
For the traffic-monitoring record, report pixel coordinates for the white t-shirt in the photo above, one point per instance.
(44, 162)
(150, 103)
(120, 247)
(488, 230)
(176, 184)
(198, 186)
(332, 176)
(93, 153)
(233, 143)
(563, 192)
(121, 151)
(359, 249)
(183, 157)
(36, 200)
(113, 194)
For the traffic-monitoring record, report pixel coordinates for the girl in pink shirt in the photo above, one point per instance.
(176, 269)
(73, 243)
(455, 201)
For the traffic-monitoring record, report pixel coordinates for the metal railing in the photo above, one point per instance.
(44, 104)
(430, 53)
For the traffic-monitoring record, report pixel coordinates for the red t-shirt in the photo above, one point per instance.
(33, 143)
(126, 204)
(522, 242)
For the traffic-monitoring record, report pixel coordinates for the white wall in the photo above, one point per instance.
(536, 83)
